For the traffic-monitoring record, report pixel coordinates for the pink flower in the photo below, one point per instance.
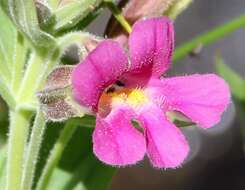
(119, 90)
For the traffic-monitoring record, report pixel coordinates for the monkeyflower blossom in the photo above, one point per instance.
(124, 86)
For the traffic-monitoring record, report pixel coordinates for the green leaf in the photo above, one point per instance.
(209, 37)
(24, 16)
(12, 59)
(78, 168)
(72, 12)
(236, 82)
(20, 57)
(8, 35)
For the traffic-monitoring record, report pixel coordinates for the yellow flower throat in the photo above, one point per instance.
(133, 97)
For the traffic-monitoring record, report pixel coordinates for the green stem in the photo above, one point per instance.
(19, 125)
(37, 71)
(118, 15)
(32, 151)
(56, 153)
(209, 37)
(74, 38)
(27, 88)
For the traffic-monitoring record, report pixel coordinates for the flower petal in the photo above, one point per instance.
(151, 45)
(116, 141)
(100, 69)
(202, 98)
(166, 145)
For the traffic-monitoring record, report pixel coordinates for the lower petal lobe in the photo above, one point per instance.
(202, 98)
(166, 145)
(116, 141)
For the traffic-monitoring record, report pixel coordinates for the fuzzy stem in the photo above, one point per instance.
(32, 151)
(56, 153)
(19, 124)
(37, 71)
(35, 66)
(74, 38)
(118, 15)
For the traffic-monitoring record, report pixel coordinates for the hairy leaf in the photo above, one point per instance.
(24, 16)
(8, 37)
(69, 13)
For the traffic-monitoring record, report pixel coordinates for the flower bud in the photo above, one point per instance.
(56, 99)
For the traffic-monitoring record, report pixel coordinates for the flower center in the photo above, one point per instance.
(131, 97)
(136, 97)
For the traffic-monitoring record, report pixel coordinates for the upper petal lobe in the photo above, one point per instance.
(101, 68)
(151, 45)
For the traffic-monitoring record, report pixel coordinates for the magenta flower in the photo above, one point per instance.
(119, 90)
